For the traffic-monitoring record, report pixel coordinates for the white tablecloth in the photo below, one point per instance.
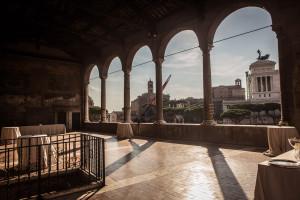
(124, 130)
(23, 142)
(10, 133)
(278, 138)
(52, 129)
(277, 183)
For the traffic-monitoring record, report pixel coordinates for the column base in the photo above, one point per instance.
(86, 121)
(283, 123)
(160, 122)
(103, 121)
(209, 123)
(127, 121)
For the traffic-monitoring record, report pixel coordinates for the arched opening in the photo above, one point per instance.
(94, 98)
(142, 84)
(242, 78)
(115, 91)
(183, 102)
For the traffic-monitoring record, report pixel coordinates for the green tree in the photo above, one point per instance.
(270, 109)
(95, 113)
(246, 106)
(236, 115)
(193, 113)
(255, 108)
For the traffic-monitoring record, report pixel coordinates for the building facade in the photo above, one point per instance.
(264, 80)
(231, 92)
(263, 86)
(138, 105)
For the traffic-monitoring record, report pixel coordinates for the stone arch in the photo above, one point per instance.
(131, 54)
(229, 10)
(167, 38)
(106, 64)
(88, 70)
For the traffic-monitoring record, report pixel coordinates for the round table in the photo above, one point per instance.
(9, 134)
(27, 147)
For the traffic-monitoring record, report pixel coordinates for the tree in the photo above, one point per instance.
(236, 115)
(246, 106)
(95, 113)
(193, 113)
(270, 109)
(255, 108)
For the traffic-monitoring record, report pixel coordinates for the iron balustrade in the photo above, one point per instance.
(34, 166)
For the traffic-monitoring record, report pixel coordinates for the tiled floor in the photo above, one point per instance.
(147, 168)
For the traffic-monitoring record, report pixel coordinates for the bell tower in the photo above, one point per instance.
(150, 86)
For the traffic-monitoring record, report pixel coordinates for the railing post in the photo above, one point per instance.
(39, 173)
(103, 161)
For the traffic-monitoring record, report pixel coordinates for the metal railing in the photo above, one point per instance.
(32, 166)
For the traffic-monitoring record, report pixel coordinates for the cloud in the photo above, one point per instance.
(227, 65)
(94, 89)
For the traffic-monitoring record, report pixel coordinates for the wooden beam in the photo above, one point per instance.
(104, 14)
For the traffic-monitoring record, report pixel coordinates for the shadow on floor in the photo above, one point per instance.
(228, 183)
(128, 157)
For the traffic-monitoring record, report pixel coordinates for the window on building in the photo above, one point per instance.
(269, 95)
(258, 84)
(264, 95)
(259, 95)
(269, 83)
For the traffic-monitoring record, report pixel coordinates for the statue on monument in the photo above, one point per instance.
(265, 57)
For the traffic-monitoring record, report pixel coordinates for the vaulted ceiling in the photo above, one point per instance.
(83, 27)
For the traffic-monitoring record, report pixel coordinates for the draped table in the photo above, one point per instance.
(52, 129)
(277, 183)
(124, 130)
(27, 150)
(278, 139)
(10, 133)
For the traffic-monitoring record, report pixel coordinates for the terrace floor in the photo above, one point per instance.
(148, 168)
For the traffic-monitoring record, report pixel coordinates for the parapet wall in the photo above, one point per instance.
(228, 134)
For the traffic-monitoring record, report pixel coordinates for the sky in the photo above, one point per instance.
(230, 60)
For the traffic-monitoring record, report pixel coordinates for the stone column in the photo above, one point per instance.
(103, 98)
(283, 68)
(159, 94)
(127, 109)
(86, 101)
(207, 89)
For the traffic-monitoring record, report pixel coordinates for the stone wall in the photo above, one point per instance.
(35, 89)
(228, 134)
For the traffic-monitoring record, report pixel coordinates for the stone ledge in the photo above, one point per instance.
(251, 135)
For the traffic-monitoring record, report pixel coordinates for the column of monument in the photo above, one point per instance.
(207, 90)
(159, 94)
(103, 98)
(86, 101)
(127, 109)
(284, 97)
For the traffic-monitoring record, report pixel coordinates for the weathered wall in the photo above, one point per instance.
(228, 134)
(33, 89)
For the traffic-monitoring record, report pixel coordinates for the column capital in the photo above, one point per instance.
(158, 61)
(86, 83)
(277, 28)
(103, 77)
(208, 47)
(126, 71)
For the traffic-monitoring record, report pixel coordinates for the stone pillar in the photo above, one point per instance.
(159, 94)
(127, 109)
(207, 89)
(103, 98)
(283, 68)
(86, 101)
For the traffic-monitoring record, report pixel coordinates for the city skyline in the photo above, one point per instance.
(229, 60)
